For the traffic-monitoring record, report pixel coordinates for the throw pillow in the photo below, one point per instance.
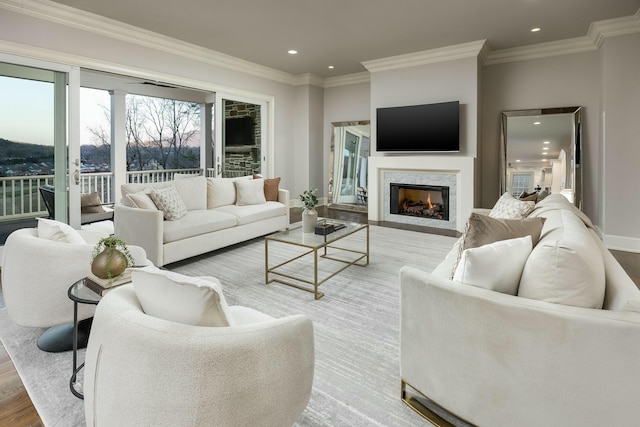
(177, 298)
(169, 202)
(192, 191)
(249, 192)
(496, 266)
(58, 231)
(271, 188)
(482, 230)
(566, 267)
(90, 203)
(141, 201)
(508, 207)
(220, 192)
(528, 197)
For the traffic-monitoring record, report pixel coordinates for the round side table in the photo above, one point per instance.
(80, 294)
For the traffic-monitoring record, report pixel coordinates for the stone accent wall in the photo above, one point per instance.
(241, 161)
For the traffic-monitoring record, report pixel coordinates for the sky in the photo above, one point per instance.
(26, 111)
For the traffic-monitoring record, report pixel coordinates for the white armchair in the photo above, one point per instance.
(36, 275)
(142, 370)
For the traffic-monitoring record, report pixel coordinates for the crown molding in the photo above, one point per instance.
(308, 79)
(596, 34)
(347, 79)
(444, 54)
(71, 17)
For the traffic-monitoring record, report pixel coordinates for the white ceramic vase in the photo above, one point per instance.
(309, 220)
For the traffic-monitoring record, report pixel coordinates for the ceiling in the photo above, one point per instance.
(344, 33)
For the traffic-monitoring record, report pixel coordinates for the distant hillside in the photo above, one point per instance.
(21, 152)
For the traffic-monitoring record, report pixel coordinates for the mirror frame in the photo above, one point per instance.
(577, 126)
(330, 202)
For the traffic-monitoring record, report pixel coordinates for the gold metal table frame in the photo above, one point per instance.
(315, 243)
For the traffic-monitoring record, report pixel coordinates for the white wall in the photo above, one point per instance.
(341, 104)
(560, 81)
(621, 145)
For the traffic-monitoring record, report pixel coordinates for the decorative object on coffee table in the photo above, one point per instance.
(309, 215)
(110, 258)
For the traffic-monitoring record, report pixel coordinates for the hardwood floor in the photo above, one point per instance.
(16, 409)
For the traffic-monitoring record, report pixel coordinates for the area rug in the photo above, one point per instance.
(356, 327)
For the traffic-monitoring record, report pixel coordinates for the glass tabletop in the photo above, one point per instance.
(311, 240)
(80, 293)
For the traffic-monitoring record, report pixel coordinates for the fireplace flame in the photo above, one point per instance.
(429, 201)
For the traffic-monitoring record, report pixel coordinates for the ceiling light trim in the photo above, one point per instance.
(444, 54)
(76, 18)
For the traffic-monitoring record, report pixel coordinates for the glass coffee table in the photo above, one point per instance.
(320, 247)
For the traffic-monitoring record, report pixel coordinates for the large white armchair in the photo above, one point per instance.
(36, 275)
(142, 370)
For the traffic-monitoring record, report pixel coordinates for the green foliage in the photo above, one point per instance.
(309, 198)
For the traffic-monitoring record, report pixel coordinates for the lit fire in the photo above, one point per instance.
(429, 201)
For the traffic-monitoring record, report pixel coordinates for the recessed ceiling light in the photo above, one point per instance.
(536, 123)
(292, 52)
(518, 160)
(331, 67)
(547, 142)
(545, 148)
(545, 154)
(535, 29)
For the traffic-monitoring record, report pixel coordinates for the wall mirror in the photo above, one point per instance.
(350, 148)
(541, 152)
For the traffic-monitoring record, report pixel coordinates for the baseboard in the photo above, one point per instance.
(622, 243)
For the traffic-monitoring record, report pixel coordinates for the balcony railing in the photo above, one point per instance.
(20, 197)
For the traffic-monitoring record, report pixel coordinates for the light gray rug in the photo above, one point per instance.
(356, 326)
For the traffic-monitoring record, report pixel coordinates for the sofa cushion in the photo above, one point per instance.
(58, 231)
(195, 223)
(271, 188)
(508, 207)
(566, 266)
(496, 266)
(90, 203)
(220, 192)
(169, 202)
(249, 192)
(193, 191)
(253, 213)
(126, 189)
(177, 298)
(141, 201)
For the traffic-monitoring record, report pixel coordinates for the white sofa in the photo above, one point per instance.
(495, 359)
(218, 215)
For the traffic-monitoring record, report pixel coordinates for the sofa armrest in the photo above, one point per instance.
(493, 358)
(283, 197)
(141, 227)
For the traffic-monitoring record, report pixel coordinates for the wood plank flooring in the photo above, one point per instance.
(16, 409)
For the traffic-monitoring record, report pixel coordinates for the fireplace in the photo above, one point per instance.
(423, 201)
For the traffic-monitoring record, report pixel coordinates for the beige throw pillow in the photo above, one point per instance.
(141, 201)
(271, 188)
(508, 207)
(90, 203)
(58, 231)
(177, 298)
(169, 202)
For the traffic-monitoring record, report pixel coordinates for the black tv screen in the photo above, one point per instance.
(238, 131)
(428, 127)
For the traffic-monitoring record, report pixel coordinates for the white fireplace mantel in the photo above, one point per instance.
(462, 167)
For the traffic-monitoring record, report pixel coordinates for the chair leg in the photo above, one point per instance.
(59, 338)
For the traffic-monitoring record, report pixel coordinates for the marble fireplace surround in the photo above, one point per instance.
(457, 168)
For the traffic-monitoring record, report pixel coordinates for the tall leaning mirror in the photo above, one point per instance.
(541, 152)
(348, 180)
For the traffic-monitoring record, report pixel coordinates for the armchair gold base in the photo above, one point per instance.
(420, 408)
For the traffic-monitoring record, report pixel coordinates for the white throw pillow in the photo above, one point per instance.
(171, 296)
(58, 231)
(169, 202)
(496, 266)
(508, 207)
(192, 191)
(220, 192)
(141, 201)
(250, 192)
(565, 267)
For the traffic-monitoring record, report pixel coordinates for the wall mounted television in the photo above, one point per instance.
(416, 128)
(238, 131)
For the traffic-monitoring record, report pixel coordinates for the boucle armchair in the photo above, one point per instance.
(142, 370)
(36, 275)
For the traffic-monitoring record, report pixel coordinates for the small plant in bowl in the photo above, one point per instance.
(110, 258)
